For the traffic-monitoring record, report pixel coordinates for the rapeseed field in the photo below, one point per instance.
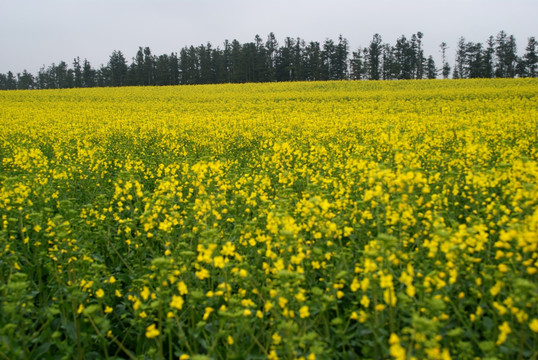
(322, 220)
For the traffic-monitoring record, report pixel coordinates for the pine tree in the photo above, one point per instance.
(88, 74)
(489, 66)
(162, 70)
(446, 67)
(284, 63)
(206, 72)
(237, 71)
(62, 76)
(405, 58)
(531, 58)
(138, 62)
(42, 78)
(431, 70)
(103, 76)
(227, 60)
(299, 62)
(261, 73)
(506, 53)
(25, 81)
(474, 60)
(313, 61)
(149, 67)
(77, 71)
(327, 56)
(419, 56)
(174, 69)
(117, 68)
(461, 55)
(271, 46)
(340, 59)
(374, 57)
(11, 81)
(389, 62)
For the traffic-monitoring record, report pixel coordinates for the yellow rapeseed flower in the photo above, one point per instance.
(177, 302)
(152, 332)
(533, 325)
(303, 312)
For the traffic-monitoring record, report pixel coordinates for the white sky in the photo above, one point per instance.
(34, 33)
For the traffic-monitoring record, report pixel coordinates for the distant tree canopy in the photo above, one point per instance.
(294, 60)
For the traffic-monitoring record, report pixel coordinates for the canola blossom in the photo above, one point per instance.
(318, 220)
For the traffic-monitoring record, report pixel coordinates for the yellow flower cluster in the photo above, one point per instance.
(309, 220)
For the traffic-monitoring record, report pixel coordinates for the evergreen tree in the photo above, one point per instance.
(88, 75)
(511, 56)
(174, 69)
(42, 79)
(236, 64)
(227, 61)
(531, 58)
(207, 75)
(505, 52)
(521, 70)
(340, 64)
(77, 72)
(139, 67)
(25, 81)
(298, 60)
(3, 81)
(419, 62)
(313, 61)
(404, 54)
(162, 70)
(271, 46)
(102, 76)
(327, 56)
(149, 67)
(431, 70)
(189, 65)
(249, 57)
(117, 69)
(62, 76)
(389, 62)
(489, 65)
(357, 65)
(374, 57)
(446, 67)
(461, 55)
(11, 81)
(284, 61)
(260, 69)
(474, 66)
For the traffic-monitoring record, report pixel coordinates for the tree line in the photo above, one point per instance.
(294, 60)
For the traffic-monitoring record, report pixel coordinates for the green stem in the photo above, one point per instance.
(74, 307)
(131, 356)
(160, 342)
(183, 334)
(464, 322)
(121, 258)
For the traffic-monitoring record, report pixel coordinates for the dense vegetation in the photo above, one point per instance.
(286, 220)
(295, 60)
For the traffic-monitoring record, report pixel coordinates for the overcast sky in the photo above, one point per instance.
(34, 33)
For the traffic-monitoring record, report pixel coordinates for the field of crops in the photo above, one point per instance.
(324, 220)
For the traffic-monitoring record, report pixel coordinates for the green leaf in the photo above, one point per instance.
(487, 323)
(486, 346)
(455, 332)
